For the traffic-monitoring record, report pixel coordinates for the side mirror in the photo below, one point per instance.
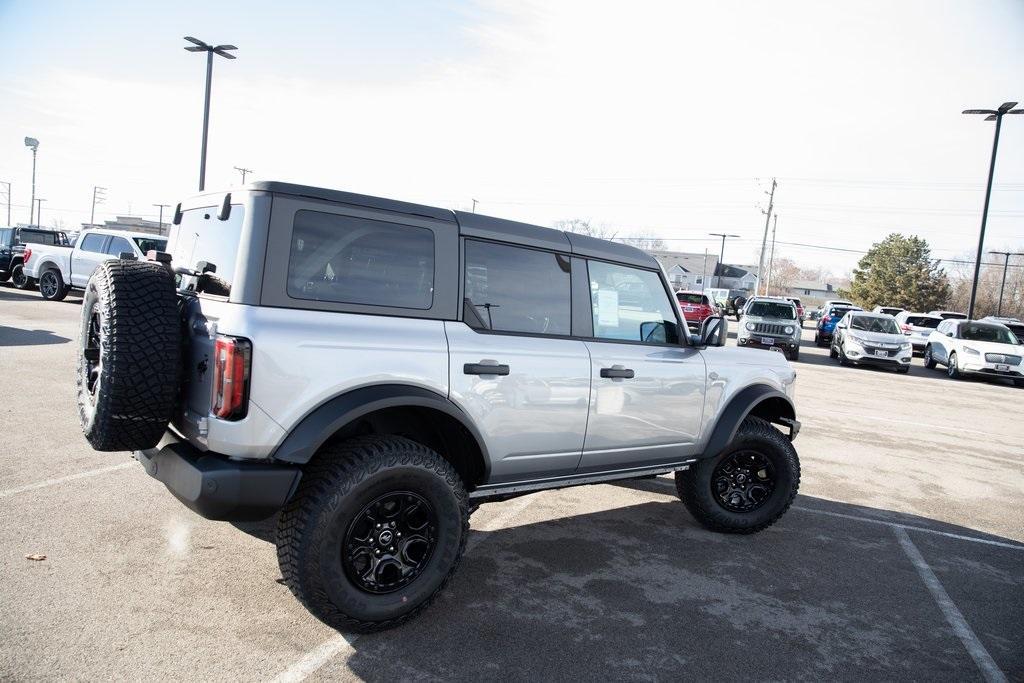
(653, 331)
(714, 331)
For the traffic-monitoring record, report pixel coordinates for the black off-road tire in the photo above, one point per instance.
(19, 279)
(903, 370)
(929, 360)
(52, 286)
(794, 355)
(817, 340)
(129, 355)
(695, 487)
(4, 277)
(336, 486)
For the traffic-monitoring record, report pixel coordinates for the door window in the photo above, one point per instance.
(93, 242)
(630, 304)
(118, 245)
(513, 289)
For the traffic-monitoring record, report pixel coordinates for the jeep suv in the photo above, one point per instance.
(770, 323)
(372, 370)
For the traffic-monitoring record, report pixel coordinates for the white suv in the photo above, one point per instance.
(975, 347)
(373, 370)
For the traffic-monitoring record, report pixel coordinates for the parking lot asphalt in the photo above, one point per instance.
(903, 556)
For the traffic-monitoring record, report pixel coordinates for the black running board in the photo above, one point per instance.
(518, 488)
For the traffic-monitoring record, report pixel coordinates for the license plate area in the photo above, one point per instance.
(767, 341)
(1002, 368)
(881, 353)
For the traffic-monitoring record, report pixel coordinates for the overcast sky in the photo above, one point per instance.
(664, 119)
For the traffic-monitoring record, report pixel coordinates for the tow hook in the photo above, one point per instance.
(793, 424)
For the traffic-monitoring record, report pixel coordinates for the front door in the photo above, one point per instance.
(647, 399)
(513, 369)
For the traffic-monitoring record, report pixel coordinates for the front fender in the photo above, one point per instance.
(760, 399)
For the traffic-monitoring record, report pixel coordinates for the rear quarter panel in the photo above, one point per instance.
(46, 256)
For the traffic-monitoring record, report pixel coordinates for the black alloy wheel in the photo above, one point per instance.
(18, 277)
(743, 481)
(48, 285)
(92, 364)
(389, 542)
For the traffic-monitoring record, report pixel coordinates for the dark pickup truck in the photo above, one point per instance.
(12, 249)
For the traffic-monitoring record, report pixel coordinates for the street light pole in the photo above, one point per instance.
(210, 50)
(34, 144)
(721, 255)
(997, 116)
(162, 207)
(1006, 264)
(39, 212)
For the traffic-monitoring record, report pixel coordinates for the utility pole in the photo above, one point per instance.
(721, 255)
(2, 182)
(244, 172)
(1006, 264)
(98, 197)
(764, 240)
(997, 116)
(474, 206)
(39, 211)
(210, 50)
(771, 258)
(162, 207)
(704, 272)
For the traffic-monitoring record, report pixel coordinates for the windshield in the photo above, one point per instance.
(202, 237)
(837, 312)
(694, 299)
(150, 243)
(923, 321)
(985, 332)
(772, 309)
(870, 323)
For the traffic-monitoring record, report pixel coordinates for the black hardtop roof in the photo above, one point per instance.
(476, 225)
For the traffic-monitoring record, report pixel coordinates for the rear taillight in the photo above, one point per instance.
(24, 258)
(826, 320)
(232, 361)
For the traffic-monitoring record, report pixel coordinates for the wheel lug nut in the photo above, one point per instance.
(378, 525)
(399, 534)
(391, 550)
(376, 552)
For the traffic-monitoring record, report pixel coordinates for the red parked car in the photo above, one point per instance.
(799, 309)
(696, 306)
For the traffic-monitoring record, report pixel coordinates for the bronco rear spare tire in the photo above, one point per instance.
(129, 355)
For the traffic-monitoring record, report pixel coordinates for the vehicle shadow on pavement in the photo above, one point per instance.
(14, 336)
(10, 294)
(643, 592)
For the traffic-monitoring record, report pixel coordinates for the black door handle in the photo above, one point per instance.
(484, 369)
(617, 373)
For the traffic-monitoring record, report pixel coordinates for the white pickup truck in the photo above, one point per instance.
(58, 270)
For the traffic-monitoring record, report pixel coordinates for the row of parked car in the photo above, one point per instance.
(990, 347)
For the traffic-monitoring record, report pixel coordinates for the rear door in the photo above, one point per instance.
(514, 367)
(87, 256)
(647, 396)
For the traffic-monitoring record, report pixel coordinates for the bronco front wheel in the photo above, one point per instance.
(748, 486)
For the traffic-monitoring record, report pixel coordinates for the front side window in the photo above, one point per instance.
(514, 289)
(630, 304)
(118, 245)
(93, 242)
(360, 261)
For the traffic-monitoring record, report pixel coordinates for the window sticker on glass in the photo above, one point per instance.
(608, 307)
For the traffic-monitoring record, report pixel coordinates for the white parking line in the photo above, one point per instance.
(61, 480)
(979, 654)
(342, 644)
(927, 425)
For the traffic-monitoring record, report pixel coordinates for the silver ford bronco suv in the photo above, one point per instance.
(371, 371)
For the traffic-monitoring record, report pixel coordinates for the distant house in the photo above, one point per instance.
(734, 277)
(687, 270)
(812, 292)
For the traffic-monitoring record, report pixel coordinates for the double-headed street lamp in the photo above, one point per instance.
(34, 144)
(210, 50)
(721, 255)
(997, 116)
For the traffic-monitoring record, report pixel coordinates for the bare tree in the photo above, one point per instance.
(585, 227)
(646, 243)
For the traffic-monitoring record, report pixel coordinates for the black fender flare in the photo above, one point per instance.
(326, 419)
(737, 410)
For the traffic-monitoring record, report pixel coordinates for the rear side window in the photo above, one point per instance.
(923, 321)
(513, 289)
(692, 299)
(118, 245)
(150, 244)
(93, 242)
(360, 261)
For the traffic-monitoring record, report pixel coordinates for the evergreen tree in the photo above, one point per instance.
(899, 271)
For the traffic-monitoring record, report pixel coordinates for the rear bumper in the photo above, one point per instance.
(216, 487)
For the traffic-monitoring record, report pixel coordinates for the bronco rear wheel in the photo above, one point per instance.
(748, 486)
(128, 356)
(374, 532)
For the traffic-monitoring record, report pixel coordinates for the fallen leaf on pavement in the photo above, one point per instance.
(35, 557)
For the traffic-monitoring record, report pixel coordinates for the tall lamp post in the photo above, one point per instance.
(210, 50)
(34, 144)
(1006, 264)
(39, 212)
(997, 116)
(721, 255)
